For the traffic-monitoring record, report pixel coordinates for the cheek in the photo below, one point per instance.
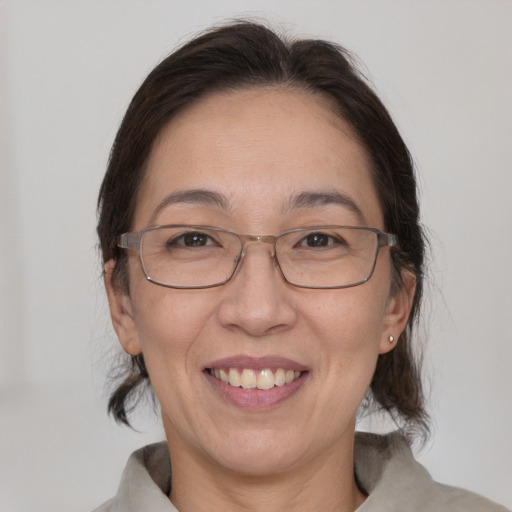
(351, 317)
(348, 329)
(169, 323)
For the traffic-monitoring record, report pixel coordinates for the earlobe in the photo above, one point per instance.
(397, 313)
(121, 313)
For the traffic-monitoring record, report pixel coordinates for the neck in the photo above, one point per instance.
(326, 482)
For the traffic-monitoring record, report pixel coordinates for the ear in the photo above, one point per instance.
(397, 312)
(121, 313)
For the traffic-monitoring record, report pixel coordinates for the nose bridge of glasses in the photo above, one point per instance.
(258, 239)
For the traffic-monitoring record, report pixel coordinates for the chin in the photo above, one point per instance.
(258, 463)
(259, 453)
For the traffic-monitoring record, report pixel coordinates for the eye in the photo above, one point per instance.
(319, 240)
(191, 239)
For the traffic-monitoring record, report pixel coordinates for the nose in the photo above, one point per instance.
(257, 299)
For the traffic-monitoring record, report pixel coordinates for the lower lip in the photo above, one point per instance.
(256, 398)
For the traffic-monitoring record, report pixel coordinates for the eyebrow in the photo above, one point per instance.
(304, 200)
(301, 200)
(197, 196)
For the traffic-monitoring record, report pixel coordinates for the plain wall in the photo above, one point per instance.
(67, 72)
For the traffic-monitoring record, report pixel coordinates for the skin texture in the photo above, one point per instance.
(258, 148)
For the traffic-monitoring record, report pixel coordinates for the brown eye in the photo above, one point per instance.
(192, 239)
(317, 240)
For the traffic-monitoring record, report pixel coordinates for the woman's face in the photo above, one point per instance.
(256, 152)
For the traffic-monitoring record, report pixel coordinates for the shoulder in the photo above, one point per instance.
(460, 500)
(396, 482)
(145, 482)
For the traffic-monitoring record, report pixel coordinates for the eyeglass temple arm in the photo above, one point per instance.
(129, 241)
(387, 240)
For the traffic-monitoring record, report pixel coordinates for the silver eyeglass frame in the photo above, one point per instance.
(132, 240)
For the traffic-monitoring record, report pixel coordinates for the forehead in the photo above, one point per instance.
(258, 148)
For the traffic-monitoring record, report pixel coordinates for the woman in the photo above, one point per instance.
(264, 266)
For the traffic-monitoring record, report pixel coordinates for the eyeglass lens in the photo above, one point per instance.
(192, 257)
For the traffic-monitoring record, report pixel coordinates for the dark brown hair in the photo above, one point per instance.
(242, 55)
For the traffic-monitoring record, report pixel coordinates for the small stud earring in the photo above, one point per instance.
(391, 339)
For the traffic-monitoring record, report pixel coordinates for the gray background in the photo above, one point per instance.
(67, 72)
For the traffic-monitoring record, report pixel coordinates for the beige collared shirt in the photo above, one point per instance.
(384, 465)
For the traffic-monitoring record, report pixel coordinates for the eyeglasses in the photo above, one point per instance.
(184, 256)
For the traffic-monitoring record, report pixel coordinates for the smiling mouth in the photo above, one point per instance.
(248, 378)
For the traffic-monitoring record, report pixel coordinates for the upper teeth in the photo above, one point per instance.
(249, 379)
